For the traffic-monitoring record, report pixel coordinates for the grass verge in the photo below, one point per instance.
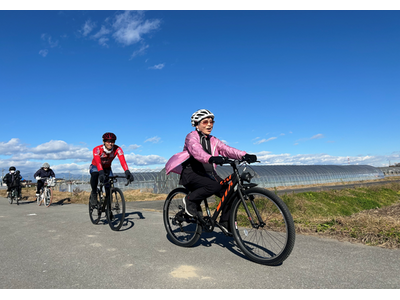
(369, 215)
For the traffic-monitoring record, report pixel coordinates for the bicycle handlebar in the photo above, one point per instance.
(114, 177)
(230, 161)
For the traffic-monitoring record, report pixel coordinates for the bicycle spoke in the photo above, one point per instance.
(182, 230)
(271, 239)
(116, 209)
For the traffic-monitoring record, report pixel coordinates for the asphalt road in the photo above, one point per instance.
(59, 248)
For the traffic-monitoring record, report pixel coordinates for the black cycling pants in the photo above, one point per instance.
(202, 187)
(39, 186)
(94, 178)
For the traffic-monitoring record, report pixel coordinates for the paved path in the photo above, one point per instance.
(58, 247)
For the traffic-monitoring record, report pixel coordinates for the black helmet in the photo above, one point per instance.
(109, 136)
(12, 169)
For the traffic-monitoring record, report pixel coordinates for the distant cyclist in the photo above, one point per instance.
(13, 179)
(41, 175)
(103, 155)
(197, 162)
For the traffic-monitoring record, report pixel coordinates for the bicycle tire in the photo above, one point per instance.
(115, 209)
(11, 197)
(272, 242)
(181, 229)
(39, 199)
(94, 213)
(48, 197)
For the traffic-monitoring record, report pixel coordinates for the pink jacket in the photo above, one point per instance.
(193, 147)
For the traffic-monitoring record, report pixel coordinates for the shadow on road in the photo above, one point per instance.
(209, 239)
(129, 217)
(61, 202)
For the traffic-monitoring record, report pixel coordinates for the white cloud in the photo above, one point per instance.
(141, 51)
(323, 159)
(133, 147)
(101, 36)
(265, 140)
(154, 140)
(12, 146)
(46, 37)
(130, 27)
(44, 52)
(314, 137)
(317, 136)
(126, 28)
(144, 160)
(157, 67)
(87, 27)
(64, 157)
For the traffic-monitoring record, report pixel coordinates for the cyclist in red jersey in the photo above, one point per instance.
(103, 155)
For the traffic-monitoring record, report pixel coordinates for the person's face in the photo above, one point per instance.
(109, 144)
(206, 125)
(45, 169)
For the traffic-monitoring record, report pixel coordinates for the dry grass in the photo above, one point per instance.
(376, 227)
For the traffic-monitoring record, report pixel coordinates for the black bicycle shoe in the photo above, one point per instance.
(93, 199)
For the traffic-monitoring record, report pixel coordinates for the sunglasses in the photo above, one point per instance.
(205, 122)
(109, 141)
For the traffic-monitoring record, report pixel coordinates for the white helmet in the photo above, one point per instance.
(200, 115)
(45, 165)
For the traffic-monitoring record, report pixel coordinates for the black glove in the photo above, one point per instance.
(250, 158)
(219, 160)
(129, 176)
(102, 176)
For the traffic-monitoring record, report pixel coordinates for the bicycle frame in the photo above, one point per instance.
(233, 180)
(108, 185)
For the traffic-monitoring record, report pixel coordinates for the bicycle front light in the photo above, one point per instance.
(246, 176)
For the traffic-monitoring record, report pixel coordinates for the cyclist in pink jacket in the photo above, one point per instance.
(196, 164)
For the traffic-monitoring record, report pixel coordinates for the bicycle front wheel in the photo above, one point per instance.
(115, 210)
(94, 212)
(182, 230)
(39, 199)
(270, 238)
(48, 197)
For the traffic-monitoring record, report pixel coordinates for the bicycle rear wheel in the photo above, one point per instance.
(182, 230)
(271, 240)
(94, 212)
(48, 197)
(115, 210)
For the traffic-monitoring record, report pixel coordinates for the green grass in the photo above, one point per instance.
(369, 215)
(344, 202)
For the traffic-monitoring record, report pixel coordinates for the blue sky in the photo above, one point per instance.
(293, 87)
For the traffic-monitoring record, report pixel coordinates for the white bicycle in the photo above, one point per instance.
(46, 194)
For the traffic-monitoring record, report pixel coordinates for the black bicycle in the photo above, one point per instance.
(13, 195)
(112, 203)
(261, 223)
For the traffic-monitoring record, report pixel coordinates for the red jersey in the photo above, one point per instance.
(103, 160)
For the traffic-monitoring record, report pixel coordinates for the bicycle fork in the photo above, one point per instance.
(243, 198)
